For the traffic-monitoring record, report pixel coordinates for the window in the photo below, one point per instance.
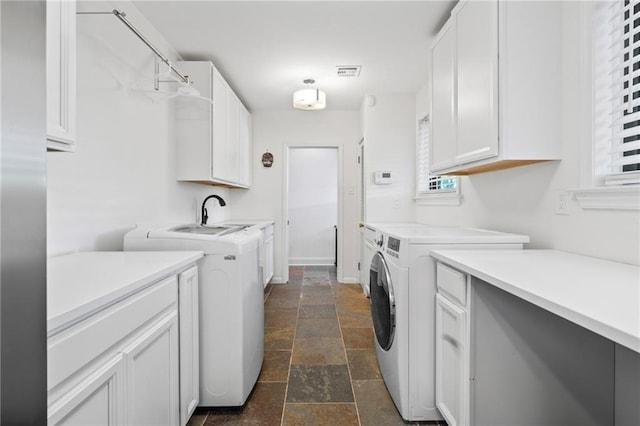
(611, 109)
(427, 185)
(617, 92)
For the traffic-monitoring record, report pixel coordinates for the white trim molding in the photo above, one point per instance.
(440, 199)
(609, 198)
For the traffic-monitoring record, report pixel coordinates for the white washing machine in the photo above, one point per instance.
(231, 304)
(403, 298)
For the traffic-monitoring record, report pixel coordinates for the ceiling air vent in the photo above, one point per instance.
(348, 70)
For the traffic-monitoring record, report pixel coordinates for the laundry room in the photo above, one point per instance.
(319, 212)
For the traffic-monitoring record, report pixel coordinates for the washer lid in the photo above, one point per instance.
(230, 240)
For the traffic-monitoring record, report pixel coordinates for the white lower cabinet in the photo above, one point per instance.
(97, 400)
(151, 364)
(189, 343)
(452, 346)
(133, 363)
(451, 353)
(267, 255)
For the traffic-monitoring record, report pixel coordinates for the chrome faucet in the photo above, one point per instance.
(205, 216)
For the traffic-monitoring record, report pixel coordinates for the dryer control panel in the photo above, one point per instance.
(393, 247)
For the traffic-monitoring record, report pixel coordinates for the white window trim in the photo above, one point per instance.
(593, 194)
(609, 198)
(435, 198)
(440, 199)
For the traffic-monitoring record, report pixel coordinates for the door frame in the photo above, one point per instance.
(285, 208)
(361, 194)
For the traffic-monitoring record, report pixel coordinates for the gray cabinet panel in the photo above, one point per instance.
(531, 367)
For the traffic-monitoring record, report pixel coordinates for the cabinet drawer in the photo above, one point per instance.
(452, 284)
(72, 349)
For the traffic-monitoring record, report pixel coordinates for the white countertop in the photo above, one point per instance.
(599, 295)
(83, 283)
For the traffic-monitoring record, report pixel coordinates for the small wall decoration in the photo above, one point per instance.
(267, 159)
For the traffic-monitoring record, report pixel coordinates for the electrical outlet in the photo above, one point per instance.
(562, 203)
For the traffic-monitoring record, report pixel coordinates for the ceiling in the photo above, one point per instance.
(264, 49)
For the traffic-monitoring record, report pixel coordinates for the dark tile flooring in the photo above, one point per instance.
(319, 364)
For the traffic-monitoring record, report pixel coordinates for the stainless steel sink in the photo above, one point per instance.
(208, 230)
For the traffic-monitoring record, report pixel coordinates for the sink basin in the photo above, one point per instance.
(208, 230)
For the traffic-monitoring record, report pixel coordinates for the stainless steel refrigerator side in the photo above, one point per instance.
(23, 262)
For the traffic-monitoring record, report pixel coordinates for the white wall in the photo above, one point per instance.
(389, 139)
(522, 199)
(272, 131)
(123, 171)
(313, 205)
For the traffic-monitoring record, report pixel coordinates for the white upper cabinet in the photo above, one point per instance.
(232, 140)
(213, 145)
(245, 145)
(61, 75)
(477, 80)
(496, 87)
(443, 118)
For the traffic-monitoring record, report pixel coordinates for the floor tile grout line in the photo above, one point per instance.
(344, 348)
(293, 344)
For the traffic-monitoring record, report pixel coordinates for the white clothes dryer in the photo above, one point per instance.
(231, 304)
(402, 282)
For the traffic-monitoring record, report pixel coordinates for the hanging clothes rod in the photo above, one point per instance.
(122, 17)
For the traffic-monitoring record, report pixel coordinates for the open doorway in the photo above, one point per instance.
(311, 207)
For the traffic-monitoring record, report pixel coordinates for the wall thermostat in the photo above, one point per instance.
(382, 178)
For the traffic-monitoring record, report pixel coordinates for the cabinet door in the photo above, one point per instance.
(97, 400)
(244, 142)
(477, 80)
(151, 364)
(61, 75)
(189, 343)
(219, 160)
(443, 123)
(194, 131)
(268, 255)
(451, 355)
(233, 132)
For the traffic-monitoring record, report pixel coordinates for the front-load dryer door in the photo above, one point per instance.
(383, 303)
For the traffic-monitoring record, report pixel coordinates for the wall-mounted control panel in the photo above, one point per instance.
(382, 178)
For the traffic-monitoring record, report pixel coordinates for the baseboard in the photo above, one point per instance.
(300, 261)
(278, 280)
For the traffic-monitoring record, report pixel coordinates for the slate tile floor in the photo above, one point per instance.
(319, 364)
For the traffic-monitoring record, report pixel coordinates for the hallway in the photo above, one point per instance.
(319, 365)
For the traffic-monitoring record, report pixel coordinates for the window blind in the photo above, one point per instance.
(426, 183)
(623, 144)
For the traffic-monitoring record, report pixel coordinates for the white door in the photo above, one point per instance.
(313, 205)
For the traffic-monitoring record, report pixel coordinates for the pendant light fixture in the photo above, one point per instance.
(309, 99)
